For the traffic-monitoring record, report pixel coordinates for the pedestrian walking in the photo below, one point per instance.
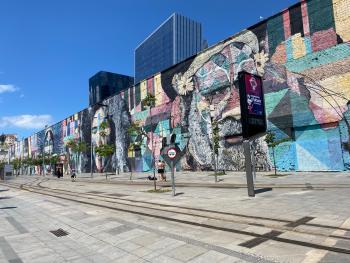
(73, 175)
(161, 170)
(59, 173)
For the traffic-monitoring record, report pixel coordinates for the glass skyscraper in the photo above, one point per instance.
(105, 84)
(176, 39)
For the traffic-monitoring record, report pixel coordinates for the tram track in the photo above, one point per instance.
(216, 212)
(209, 219)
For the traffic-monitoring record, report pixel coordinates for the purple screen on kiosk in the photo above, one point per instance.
(254, 95)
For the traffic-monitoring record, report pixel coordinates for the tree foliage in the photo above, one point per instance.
(149, 101)
(137, 132)
(135, 129)
(216, 137)
(103, 129)
(271, 141)
(105, 150)
(77, 146)
(17, 163)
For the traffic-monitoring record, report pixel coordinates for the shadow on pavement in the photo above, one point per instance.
(262, 190)
(5, 197)
(8, 207)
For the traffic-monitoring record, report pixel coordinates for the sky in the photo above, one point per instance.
(50, 49)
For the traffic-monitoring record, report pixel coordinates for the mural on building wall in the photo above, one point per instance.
(303, 55)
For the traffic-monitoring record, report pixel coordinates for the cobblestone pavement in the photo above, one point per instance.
(109, 222)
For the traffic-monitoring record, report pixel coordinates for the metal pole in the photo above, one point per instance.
(91, 150)
(253, 166)
(50, 160)
(212, 110)
(153, 161)
(213, 147)
(248, 168)
(116, 162)
(172, 177)
(43, 162)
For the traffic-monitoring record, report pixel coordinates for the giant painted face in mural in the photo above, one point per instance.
(304, 59)
(48, 142)
(211, 83)
(100, 135)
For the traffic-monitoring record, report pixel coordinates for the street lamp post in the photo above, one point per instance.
(212, 113)
(43, 162)
(91, 150)
(50, 159)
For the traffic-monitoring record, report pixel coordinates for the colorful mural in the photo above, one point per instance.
(303, 55)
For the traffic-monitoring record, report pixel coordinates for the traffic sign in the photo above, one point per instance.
(171, 153)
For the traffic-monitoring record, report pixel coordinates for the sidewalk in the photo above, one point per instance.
(230, 180)
(97, 233)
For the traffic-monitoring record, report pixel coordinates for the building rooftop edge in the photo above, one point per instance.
(154, 31)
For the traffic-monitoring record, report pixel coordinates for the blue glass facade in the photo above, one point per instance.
(175, 40)
(105, 84)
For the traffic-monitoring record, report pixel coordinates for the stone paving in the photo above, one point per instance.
(207, 178)
(102, 235)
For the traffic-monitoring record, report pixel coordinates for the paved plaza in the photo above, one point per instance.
(300, 219)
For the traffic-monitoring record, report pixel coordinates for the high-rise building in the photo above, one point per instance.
(105, 84)
(176, 39)
(10, 139)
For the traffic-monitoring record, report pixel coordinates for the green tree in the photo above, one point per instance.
(216, 144)
(77, 147)
(104, 151)
(54, 159)
(271, 141)
(103, 129)
(137, 135)
(150, 101)
(17, 163)
(216, 137)
(28, 163)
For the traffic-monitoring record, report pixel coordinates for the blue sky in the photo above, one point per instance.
(49, 49)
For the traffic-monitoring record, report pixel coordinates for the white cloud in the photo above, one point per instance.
(7, 88)
(26, 121)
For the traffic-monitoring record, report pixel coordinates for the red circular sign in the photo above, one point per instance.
(171, 153)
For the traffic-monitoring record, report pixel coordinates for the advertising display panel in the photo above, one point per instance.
(252, 104)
